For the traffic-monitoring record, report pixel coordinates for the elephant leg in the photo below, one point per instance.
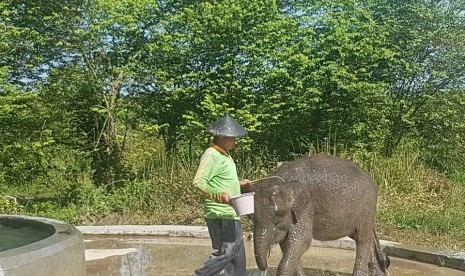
(361, 258)
(363, 237)
(294, 246)
(299, 268)
(378, 262)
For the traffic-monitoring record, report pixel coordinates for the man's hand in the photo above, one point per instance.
(224, 198)
(244, 183)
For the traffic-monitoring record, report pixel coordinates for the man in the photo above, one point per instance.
(217, 179)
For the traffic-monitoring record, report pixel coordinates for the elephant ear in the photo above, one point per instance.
(296, 199)
(280, 200)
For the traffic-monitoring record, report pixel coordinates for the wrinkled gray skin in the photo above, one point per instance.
(323, 198)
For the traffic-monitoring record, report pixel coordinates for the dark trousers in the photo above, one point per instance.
(228, 249)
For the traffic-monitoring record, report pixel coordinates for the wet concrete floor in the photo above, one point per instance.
(121, 255)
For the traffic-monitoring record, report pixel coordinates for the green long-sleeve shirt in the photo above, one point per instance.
(217, 173)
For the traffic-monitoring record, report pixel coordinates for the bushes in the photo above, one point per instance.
(158, 190)
(9, 205)
(412, 196)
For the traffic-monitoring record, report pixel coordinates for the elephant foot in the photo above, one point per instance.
(300, 271)
(361, 273)
(377, 272)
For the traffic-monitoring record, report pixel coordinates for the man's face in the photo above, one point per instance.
(229, 143)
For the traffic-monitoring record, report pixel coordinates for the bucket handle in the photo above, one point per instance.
(268, 177)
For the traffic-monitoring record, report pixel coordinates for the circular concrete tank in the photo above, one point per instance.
(40, 247)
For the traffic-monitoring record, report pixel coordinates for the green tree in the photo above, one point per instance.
(206, 65)
(33, 35)
(440, 126)
(30, 37)
(109, 46)
(327, 83)
(427, 37)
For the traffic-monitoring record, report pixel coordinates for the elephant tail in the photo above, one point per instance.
(381, 258)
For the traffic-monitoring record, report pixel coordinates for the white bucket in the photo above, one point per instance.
(243, 203)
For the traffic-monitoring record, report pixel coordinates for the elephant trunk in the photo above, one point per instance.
(261, 247)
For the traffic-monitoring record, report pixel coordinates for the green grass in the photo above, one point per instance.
(416, 200)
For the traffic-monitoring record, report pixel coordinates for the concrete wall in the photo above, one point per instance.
(62, 253)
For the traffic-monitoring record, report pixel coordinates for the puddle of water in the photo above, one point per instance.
(180, 256)
(96, 254)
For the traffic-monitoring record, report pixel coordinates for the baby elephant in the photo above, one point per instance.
(319, 197)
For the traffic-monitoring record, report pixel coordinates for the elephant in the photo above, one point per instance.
(319, 197)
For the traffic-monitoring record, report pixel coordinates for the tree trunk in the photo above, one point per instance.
(108, 158)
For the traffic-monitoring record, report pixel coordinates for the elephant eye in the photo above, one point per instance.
(277, 218)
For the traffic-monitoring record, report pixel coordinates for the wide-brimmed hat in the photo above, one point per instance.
(227, 126)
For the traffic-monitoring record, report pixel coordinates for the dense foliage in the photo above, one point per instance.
(103, 102)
